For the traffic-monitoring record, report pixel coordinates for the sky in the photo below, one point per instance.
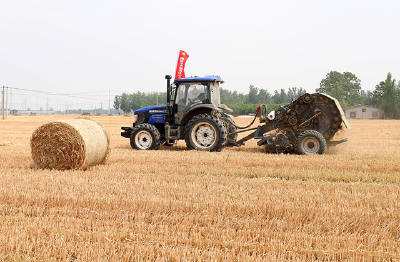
(82, 53)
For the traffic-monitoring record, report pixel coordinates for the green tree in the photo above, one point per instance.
(117, 102)
(345, 87)
(280, 97)
(264, 96)
(366, 97)
(125, 103)
(252, 97)
(294, 93)
(387, 96)
(226, 96)
(229, 97)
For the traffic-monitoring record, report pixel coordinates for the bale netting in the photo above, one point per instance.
(69, 144)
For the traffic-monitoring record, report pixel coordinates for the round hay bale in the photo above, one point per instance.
(69, 144)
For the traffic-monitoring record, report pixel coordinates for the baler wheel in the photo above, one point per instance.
(311, 142)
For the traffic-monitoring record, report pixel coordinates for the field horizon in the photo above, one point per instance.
(173, 204)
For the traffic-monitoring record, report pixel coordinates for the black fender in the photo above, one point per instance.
(197, 110)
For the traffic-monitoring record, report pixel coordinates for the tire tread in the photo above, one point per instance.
(152, 130)
(220, 127)
(314, 134)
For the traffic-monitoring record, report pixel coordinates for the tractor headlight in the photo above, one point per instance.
(135, 117)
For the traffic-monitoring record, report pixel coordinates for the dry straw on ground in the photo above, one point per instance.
(172, 204)
(69, 144)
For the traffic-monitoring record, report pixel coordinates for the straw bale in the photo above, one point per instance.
(69, 144)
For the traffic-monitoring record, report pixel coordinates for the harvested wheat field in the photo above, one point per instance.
(176, 205)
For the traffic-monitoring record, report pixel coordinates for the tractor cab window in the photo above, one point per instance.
(189, 94)
(215, 95)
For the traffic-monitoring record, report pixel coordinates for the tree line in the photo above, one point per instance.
(130, 102)
(345, 87)
(239, 102)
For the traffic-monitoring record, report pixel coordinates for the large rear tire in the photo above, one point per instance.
(205, 132)
(311, 142)
(145, 137)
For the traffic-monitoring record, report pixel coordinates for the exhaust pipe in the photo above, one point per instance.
(168, 113)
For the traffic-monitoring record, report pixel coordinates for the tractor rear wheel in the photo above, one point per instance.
(311, 142)
(205, 132)
(145, 137)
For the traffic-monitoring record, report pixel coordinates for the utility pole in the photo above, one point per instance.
(109, 99)
(47, 104)
(7, 104)
(2, 107)
(11, 106)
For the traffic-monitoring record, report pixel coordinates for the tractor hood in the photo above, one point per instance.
(160, 108)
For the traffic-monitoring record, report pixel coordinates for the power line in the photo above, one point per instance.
(35, 100)
(56, 94)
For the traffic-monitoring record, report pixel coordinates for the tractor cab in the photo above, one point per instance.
(194, 93)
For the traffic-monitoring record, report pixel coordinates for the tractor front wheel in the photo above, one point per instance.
(145, 137)
(205, 132)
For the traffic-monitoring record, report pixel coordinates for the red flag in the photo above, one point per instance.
(180, 67)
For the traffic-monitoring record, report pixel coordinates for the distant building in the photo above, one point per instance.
(363, 112)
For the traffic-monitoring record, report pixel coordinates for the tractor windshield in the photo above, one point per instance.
(215, 95)
(189, 94)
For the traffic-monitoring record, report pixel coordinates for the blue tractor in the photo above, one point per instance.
(193, 112)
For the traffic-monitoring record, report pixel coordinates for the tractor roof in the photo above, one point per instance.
(200, 78)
